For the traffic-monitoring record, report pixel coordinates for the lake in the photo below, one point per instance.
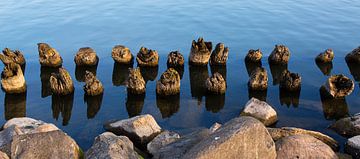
(306, 27)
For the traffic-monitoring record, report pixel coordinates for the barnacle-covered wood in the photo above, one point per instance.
(280, 55)
(169, 83)
(216, 84)
(175, 59)
(353, 56)
(121, 54)
(92, 85)
(8, 56)
(61, 83)
(290, 81)
(220, 55)
(86, 56)
(147, 57)
(200, 52)
(339, 86)
(12, 79)
(48, 56)
(258, 79)
(136, 83)
(326, 56)
(253, 56)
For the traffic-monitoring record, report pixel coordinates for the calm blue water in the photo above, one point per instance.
(307, 28)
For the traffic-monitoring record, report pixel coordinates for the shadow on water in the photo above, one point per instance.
(134, 104)
(214, 102)
(62, 104)
(276, 71)
(120, 73)
(220, 69)
(258, 94)
(45, 73)
(80, 72)
(251, 66)
(289, 97)
(198, 76)
(168, 105)
(149, 73)
(333, 108)
(325, 68)
(354, 70)
(93, 104)
(15, 105)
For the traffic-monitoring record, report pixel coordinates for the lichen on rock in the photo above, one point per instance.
(220, 55)
(147, 57)
(169, 83)
(121, 54)
(12, 79)
(86, 56)
(61, 82)
(92, 85)
(48, 56)
(200, 52)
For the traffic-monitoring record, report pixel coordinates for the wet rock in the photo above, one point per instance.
(349, 126)
(48, 56)
(3, 155)
(175, 59)
(12, 79)
(216, 84)
(163, 139)
(80, 72)
(353, 56)
(168, 105)
(280, 55)
(214, 102)
(92, 85)
(15, 105)
(258, 79)
(147, 57)
(140, 129)
(120, 73)
(9, 56)
(136, 83)
(61, 83)
(200, 52)
(276, 72)
(352, 146)
(339, 86)
(108, 145)
(169, 83)
(134, 104)
(278, 133)
(122, 55)
(62, 105)
(303, 146)
(215, 127)
(93, 104)
(253, 56)
(326, 56)
(290, 81)
(354, 69)
(177, 149)
(333, 108)
(220, 55)
(239, 138)
(261, 111)
(325, 68)
(86, 56)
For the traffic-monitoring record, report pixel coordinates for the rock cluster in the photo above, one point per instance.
(200, 52)
(220, 55)
(86, 56)
(122, 55)
(216, 84)
(147, 57)
(92, 85)
(48, 56)
(169, 83)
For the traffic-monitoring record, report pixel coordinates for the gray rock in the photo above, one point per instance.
(6, 136)
(243, 137)
(349, 126)
(178, 148)
(163, 139)
(261, 111)
(140, 129)
(52, 144)
(352, 146)
(3, 155)
(303, 146)
(215, 127)
(108, 145)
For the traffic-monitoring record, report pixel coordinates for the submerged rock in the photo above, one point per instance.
(12, 79)
(258, 79)
(163, 139)
(122, 55)
(169, 83)
(303, 146)
(92, 85)
(108, 145)
(61, 83)
(261, 111)
(352, 146)
(147, 57)
(290, 81)
(216, 84)
(253, 56)
(349, 126)
(175, 59)
(9, 56)
(49, 56)
(86, 56)
(200, 52)
(280, 55)
(220, 55)
(353, 56)
(135, 83)
(339, 86)
(326, 56)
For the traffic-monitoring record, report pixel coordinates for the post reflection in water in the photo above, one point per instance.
(180, 70)
(45, 73)
(220, 69)
(214, 102)
(325, 68)
(134, 104)
(276, 71)
(15, 105)
(198, 76)
(93, 104)
(289, 97)
(354, 70)
(251, 66)
(62, 104)
(333, 108)
(168, 105)
(120, 73)
(149, 73)
(258, 94)
(80, 72)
